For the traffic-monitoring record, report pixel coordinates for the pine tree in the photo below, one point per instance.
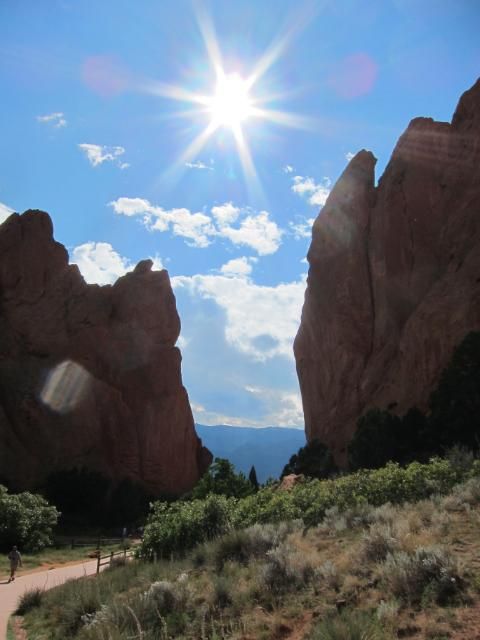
(252, 476)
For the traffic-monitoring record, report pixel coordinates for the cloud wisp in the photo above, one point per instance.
(98, 154)
(56, 120)
(240, 226)
(316, 194)
(302, 228)
(201, 166)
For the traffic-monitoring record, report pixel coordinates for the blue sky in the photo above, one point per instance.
(101, 101)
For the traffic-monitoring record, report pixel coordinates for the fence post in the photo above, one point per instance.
(73, 543)
(98, 563)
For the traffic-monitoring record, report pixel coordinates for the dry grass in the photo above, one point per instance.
(394, 564)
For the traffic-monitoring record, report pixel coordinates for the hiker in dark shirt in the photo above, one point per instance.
(15, 561)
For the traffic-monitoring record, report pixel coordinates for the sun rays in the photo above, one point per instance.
(232, 101)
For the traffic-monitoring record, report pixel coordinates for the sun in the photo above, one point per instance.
(233, 101)
(231, 104)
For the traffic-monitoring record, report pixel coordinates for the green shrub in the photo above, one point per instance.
(179, 526)
(286, 569)
(349, 625)
(337, 520)
(29, 600)
(254, 542)
(163, 596)
(176, 527)
(409, 575)
(222, 592)
(26, 520)
(329, 573)
(378, 542)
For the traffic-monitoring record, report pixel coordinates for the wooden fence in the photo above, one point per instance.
(98, 543)
(108, 559)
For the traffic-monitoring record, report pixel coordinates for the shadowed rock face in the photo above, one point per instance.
(89, 375)
(394, 279)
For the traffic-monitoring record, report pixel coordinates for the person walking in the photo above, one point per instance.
(15, 562)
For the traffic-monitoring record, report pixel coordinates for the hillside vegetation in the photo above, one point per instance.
(376, 554)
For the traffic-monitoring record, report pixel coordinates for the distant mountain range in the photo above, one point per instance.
(267, 449)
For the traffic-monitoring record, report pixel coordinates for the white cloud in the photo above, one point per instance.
(57, 120)
(5, 212)
(261, 321)
(225, 214)
(197, 227)
(97, 154)
(99, 263)
(288, 168)
(302, 229)
(131, 206)
(198, 164)
(255, 230)
(157, 263)
(349, 155)
(317, 194)
(283, 407)
(238, 267)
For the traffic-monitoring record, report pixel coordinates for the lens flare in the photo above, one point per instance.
(65, 387)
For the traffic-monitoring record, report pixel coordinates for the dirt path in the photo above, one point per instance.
(10, 593)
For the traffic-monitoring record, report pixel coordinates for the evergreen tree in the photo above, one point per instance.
(221, 479)
(314, 460)
(375, 441)
(455, 404)
(252, 476)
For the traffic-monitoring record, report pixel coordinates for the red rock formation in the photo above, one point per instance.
(89, 375)
(394, 279)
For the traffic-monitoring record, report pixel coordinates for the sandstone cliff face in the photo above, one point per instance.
(89, 375)
(394, 278)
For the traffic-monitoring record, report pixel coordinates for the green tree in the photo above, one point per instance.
(252, 477)
(455, 404)
(26, 519)
(314, 460)
(375, 440)
(221, 479)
